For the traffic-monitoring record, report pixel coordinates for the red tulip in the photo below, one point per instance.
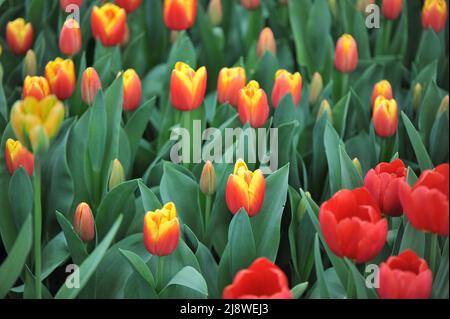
(426, 203)
(391, 9)
(108, 23)
(382, 88)
(252, 105)
(346, 55)
(132, 90)
(405, 276)
(187, 87)
(286, 83)
(230, 82)
(250, 4)
(70, 38)
(180, 14)
(90, 85)
(60, 74)
(383, 183)
(262, 280)
(65, 3)
(128, 5)
(352, 225)
(434, 14)
(83, 222)
(266, 42)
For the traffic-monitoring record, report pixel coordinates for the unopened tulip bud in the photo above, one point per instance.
(266, 42)
(208, 182)
(286, 83)
(250, 4)
(253, 106)
(30, 64)
(315, 88)
(60, 75)
(187, 87)
(357, 165)
(383, 88)
(83, 222)
(346, 54)
(70, 38)
(179, 15)
(19, 36)
(391, 9)
(444, 106)
(215, 12)
(434, 14)
(108, 24)
(417, 96)
(65, 3)
(17, 155)
(325, 109)
(132, 90)
(128, 5)
(90, 85)
(117, 176)
(385, 117)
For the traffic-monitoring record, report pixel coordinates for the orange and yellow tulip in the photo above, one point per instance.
(385, 116)
(180, 14)
(208, 183)
(162, 230)
(252, 105)
(128, 5)
(83, 222)
(19, 35)
(434, 14)
(108, 24)
(346, 55)
(70, 38)
(36, 86)
(60, 75)
(286, 83)
(187, 87)
(245, 189)
(35, 123)
(382, 88)
(17, 155)
(90, 85)
(230, 82)
(266, 42)
(251, 4)
(391, 9)
(132, 90)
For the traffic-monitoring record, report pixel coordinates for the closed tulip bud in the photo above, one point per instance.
(315, 88)
(60, 75)
(382, 88)
(434, 14)
(215, 12)
(65, 3)
(266, 42)
(325, 108)
(19, 35)
(250, 4)
(180, 14)
(417, 96)
(230, 82)
(162, 230)
(132, 90)
(385, 117)
(187, 87)
(406, 276)
(262, 280)
(108, 24)
(286, 83)
(245, 189)
(90, 85)
(391, 9)
(352, 225)
(117, 175)
(70, 38)
(426, 203)
(357, 165)
(444, 106)
(35, 123)
(35, 86)
(128, 5)
(346, 55)
(83, 222)
(30, 64)
(16, 156)
(301, 209)
(208, 182)
(252, 105)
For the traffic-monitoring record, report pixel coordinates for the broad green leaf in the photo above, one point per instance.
(190, 277)
(139, 266)
(75, 245)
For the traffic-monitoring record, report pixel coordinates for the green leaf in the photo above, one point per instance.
(149, 199)
(440, 283)
(74, 243)
(139, 266)
(299, 290)
(97, 132)
(414, 240)
(428, 109)
(21, 196)
(350, 176)
(332, 143)
(242, 247)
(189, 277)
(323, 288)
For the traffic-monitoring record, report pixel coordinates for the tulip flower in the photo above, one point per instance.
(426, 203)
(108, 24)
(382, 88)
(252, 105)
(187, 87)
(443, 107)
(434, 14)
(83, 222)
(35, 123)
(385, 117)
(60, 75)
(357, 165)
(208, 182)
(132, 90)
(90, 85)
(19, 35)
(128, 5)
(245, 189)
(266, 42)
(391, 9)
(215, 12)
(65, 3)
(230, 82)
(180, 14)
(405, 276)
(30, 64)
(383, 183)
(262, 280)
(250, 4)
(325, 108)
(352, 226)
(315, 88)
(346, 55)
(16, 156)
(286, 83)
(117, 175)
(417, 96)
(70, 38)
(162, 230)
(35, 86)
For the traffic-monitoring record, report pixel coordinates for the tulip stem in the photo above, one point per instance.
(207, 212)
(433, 252)
(160, 271)
(37, 227)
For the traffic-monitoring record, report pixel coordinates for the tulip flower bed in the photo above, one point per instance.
(224, 149)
